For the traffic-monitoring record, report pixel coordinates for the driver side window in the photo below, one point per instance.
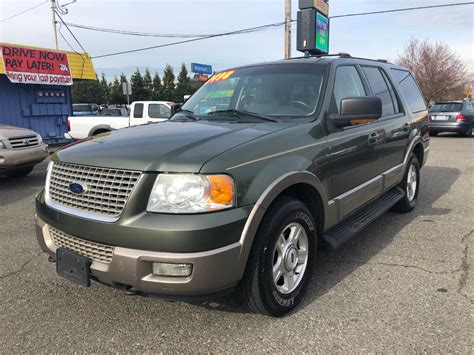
(347, 84)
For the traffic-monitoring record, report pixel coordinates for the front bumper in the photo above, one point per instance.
(14, 158)
(459, 127)
(213, 270)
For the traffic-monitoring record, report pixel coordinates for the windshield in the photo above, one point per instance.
(446, 107)
(282, 90)
(111, 112)
(81, 108)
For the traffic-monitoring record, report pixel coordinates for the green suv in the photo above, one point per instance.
(262, 166)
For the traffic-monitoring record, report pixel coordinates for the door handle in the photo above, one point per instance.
(374, 137)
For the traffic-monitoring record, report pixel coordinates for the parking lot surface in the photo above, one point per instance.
(405, 284)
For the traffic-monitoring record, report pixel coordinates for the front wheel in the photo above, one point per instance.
(411, 185)
(281, 261)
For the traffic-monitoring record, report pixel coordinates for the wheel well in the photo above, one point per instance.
(419, 152)
(311, 198)
(99, 131)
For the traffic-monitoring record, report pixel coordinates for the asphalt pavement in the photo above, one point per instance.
(404, 285)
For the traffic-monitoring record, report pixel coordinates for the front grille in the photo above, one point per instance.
(94, 251)
(106, 190)
(23, 142)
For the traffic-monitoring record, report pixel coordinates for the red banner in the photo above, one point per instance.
(36, 66)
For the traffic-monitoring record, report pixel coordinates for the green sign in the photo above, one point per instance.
(322, 33)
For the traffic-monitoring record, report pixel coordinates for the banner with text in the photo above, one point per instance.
(35, 66)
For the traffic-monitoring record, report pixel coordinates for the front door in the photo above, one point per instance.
(353, 150)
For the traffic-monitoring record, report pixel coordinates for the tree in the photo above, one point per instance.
(437, 69)
(147, 85)
(138, 87)
(183, 87)
(104, 90)
(157, 92)
(87, 91)
(168, 84)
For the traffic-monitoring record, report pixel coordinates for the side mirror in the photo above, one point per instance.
(175, 108)
(358, 110)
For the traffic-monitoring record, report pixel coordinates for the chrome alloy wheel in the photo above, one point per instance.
(290, 258)
(412, 182)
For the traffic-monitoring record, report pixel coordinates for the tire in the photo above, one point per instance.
(20, 172)
(408, 202)
(100, 131)
(469, 132)
(257, 290)
(433, 134)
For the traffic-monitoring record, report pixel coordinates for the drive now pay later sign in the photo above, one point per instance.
(36, 66)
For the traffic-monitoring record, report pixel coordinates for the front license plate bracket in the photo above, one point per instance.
(73, 266)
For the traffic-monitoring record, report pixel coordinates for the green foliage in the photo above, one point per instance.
(168, 84)
(183, 87)
(144, 88)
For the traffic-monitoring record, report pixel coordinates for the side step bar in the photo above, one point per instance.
(348, 229)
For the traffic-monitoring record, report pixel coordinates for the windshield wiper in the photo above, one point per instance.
(189, 114)
(239, 113)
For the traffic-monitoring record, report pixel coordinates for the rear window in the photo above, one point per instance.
(446, 107)
(138, 111)
(408, 87)
(81, 108)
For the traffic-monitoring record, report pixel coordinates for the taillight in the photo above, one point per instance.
(68, 125)
(460, 117)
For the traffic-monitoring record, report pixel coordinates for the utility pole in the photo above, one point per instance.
(55, 31)
(287, 29)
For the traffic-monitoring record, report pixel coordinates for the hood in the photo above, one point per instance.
(7, 132)
(168, 146)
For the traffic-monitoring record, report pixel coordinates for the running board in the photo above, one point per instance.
(347, 230)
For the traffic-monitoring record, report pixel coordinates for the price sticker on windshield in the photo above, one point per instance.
(221, 76)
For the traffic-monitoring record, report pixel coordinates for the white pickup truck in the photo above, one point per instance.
(141, 112)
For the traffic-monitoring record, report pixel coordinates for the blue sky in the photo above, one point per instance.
(380, 36)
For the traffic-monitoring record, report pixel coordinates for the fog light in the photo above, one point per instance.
(176, 270)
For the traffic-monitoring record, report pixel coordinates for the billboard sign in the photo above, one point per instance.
(322, 33)
(35, 66)
(201, 68)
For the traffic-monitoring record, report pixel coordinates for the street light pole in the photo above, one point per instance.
(55, 31)
(287, 29)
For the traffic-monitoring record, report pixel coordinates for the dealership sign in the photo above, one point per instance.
(35, 66)
(201, 68)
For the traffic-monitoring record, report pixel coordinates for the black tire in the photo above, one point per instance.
(406, 204)
(469, 132)
(433, 134)
(257, 290)
(100, 131)
(20, 172)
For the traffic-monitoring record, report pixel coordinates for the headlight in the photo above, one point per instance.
(187, 193)
(2, 146)
(40, 139)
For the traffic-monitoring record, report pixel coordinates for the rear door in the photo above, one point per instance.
(137, 112)
(394, 124)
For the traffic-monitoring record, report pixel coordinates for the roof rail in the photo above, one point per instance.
(342, 55)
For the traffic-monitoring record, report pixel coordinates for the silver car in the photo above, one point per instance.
(20, 150)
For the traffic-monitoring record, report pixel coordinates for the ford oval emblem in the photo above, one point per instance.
(77, 188)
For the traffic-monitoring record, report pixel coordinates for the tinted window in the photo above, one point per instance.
(81, 108)
(138, 111)
(380, 88)
(347, 84)
(446, 107)
(158, 111)
(410, 90)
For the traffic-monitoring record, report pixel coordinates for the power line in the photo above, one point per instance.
(133, 33)
(24, 11)
(243, 31)
(72, 34)
(403, 9)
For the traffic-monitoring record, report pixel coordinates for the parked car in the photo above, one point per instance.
(20, 150)
(452, 116)
(85, 109)
(307, 152)
(117, 112)
(141, 112)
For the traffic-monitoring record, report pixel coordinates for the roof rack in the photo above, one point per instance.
(340, 55)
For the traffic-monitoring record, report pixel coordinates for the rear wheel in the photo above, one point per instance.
(411, 186)
(469, 132)
(20, 172)
(281, 261)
